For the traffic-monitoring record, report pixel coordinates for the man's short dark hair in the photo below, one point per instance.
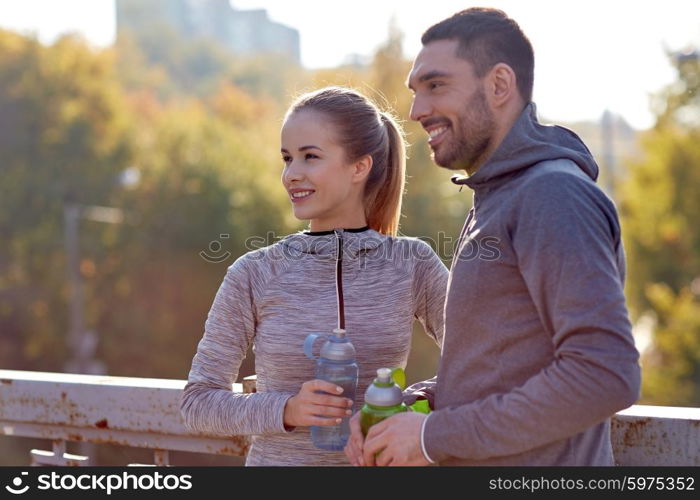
(487, 37)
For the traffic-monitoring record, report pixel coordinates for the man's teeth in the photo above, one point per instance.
(301, 194)
(436, 132)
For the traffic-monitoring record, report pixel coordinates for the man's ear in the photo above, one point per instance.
(501, 84)
(362, 168)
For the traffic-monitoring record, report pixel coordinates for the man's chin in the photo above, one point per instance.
(447, 163)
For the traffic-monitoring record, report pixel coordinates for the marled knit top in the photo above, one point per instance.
(274, 297)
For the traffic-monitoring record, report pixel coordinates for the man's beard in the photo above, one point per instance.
(471, 137)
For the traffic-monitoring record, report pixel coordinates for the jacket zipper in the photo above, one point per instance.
(339, 279)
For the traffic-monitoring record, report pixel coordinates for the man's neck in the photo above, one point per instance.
(504, 124)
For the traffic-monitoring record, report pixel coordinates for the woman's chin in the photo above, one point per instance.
(302, 214)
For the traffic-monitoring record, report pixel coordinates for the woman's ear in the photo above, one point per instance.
(362, 168)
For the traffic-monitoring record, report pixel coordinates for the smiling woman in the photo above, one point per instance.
(344, 168)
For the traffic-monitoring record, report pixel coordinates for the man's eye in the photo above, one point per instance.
(434, 85)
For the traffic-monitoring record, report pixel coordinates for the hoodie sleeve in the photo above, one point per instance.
(208, 403)
(430, 287)
(567, 241)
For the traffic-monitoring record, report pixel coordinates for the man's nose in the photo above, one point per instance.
(419, 108)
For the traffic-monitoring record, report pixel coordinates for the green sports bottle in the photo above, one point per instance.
(383, 398)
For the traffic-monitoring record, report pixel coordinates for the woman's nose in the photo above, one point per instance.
(292, 172)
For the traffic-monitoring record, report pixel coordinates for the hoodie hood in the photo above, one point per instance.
(326, 244)
(529, 142)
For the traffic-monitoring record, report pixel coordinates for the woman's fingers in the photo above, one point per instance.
(331, 411)
(323, 386)
(322, 421)
(329, 401)
(319, 392)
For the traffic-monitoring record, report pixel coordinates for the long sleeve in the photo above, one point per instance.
(568, 250)
(208, 403)
(430, 289)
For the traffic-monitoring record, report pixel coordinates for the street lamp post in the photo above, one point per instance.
(82, 342)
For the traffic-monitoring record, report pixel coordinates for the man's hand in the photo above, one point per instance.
(396, 440)
(311, 407)
(353, 450)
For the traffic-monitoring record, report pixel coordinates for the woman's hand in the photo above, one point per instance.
(309, 407)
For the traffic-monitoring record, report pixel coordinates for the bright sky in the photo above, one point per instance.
(589, 55)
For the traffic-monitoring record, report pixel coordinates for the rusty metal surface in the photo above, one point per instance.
(250, 384)
(99, 409)
(657, 435)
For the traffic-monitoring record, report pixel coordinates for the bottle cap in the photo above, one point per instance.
(338, 347)
(383, 391)
(384, 375)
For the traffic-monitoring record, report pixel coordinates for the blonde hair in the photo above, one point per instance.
(363, 129)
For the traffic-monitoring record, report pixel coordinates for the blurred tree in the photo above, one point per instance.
(205, 168)
(63, 137)
(204, 192)
(161, 60)
(660, 203)
(672, 366)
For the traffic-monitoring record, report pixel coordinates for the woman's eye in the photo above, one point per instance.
(310, 156)
(286, 159)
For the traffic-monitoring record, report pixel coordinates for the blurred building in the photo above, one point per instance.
(247, 32)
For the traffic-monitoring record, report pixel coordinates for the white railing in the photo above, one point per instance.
(145, 413)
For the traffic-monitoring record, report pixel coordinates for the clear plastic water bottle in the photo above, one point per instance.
(336, 363)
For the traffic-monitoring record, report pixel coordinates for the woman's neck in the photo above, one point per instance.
(317, 226)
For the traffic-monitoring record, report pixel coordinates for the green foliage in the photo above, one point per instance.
(661, 200)
(71, 124)
(64, 137)
(660, 203)
(672, 367)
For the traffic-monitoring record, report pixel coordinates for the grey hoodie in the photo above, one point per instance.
(538, 351)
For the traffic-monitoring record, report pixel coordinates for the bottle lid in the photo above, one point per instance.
(384, 375)
(383, 391)
(338, 347)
